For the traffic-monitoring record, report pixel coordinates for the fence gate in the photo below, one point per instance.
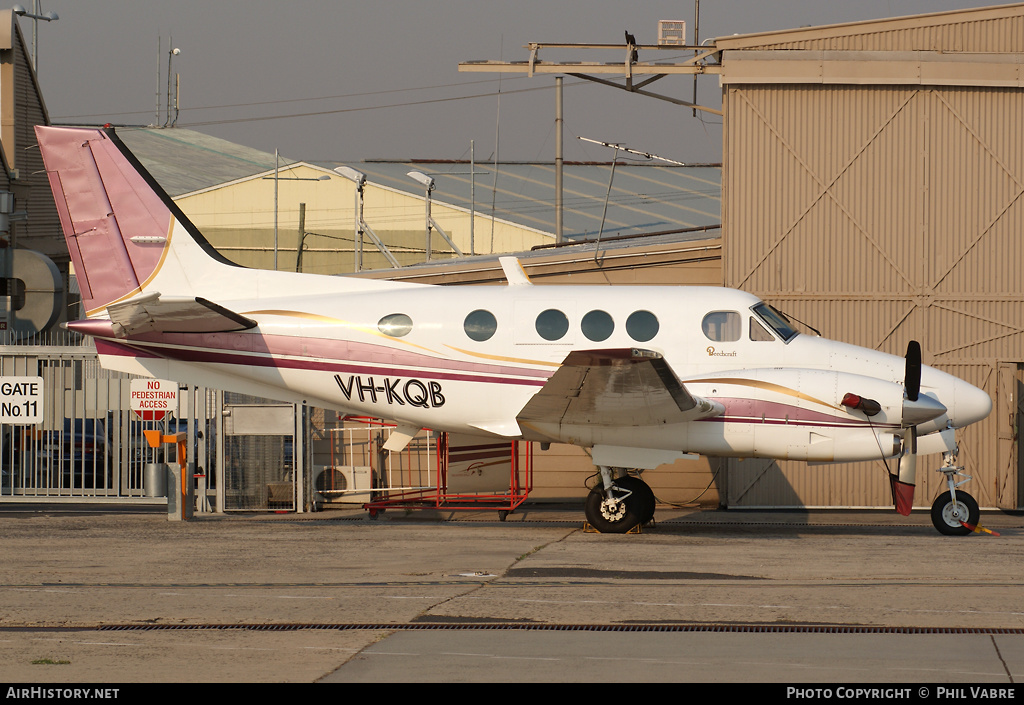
(89, 445)
(262, 454)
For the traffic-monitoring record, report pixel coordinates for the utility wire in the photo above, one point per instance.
(356, 110)
(228, 121)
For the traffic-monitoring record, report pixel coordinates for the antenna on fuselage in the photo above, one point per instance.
(514, 272)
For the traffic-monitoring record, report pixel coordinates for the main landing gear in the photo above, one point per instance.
(952, 509)
(618, 504)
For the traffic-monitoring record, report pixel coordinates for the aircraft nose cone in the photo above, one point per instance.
(970, 404)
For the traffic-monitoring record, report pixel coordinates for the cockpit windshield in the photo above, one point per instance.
(776, 321)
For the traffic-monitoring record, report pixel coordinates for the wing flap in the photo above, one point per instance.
(619, 387)
(173, 314)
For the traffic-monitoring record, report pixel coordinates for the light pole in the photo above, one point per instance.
(428, 184)
(172, 51)
(362, 228)
(35, 17)
(359, 178)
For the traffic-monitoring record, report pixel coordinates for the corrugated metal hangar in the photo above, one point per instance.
(232, 197)
(873, 181)
(871, 185)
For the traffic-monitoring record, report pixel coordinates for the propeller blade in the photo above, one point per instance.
(912, 380)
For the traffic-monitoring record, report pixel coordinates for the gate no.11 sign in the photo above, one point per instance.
(21, 400)
(152, 399)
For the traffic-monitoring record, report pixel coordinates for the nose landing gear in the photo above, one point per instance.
(954, 513)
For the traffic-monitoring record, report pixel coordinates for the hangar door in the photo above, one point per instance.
(880, 215)
(1009, 411)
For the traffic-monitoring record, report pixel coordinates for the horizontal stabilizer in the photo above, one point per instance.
(154, 313)
(621, 387)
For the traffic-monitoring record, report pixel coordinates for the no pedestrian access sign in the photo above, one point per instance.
(21, 400)
(153, 399)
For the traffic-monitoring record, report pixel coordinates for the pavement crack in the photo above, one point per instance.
(481, 585)
(1000, 655)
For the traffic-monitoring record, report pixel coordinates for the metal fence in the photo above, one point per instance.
(350, 464)
(90, 445)
(245, 453)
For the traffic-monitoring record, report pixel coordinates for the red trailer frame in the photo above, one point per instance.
(519, 457)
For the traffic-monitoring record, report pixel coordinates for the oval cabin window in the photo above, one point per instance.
(552, 324)
(480, 325)
(642, 326)
(597, 326)
(395, 324)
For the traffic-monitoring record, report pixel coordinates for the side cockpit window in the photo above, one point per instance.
(758, 331)
(777, 322)
(723, 326)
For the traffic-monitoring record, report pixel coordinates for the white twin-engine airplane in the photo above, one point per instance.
(640, 376)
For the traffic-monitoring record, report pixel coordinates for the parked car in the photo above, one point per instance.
(78, 453)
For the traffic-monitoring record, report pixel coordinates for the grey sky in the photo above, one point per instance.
(351, 77)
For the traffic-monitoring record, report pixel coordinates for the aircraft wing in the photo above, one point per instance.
(173, 314)
(620, 387)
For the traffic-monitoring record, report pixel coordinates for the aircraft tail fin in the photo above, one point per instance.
(121, 227)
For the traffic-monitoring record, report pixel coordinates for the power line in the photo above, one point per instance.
(293, 100)
(370, 107)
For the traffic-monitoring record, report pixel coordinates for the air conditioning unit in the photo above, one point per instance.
(342, 484)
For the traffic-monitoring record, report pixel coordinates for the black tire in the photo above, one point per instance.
(614, 525)
(624, 517)
(942, 514)
(643, 494)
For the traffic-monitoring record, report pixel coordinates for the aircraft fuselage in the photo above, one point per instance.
(468, 359)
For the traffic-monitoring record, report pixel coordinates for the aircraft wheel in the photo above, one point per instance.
(642, 494)
(619, 515)
(946, 516)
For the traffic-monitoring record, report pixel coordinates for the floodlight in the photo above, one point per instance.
(422, 178)
(351, 174)
(49, 16)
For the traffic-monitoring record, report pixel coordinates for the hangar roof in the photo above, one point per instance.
(183, 161)
(982, 29)
(645, 196)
